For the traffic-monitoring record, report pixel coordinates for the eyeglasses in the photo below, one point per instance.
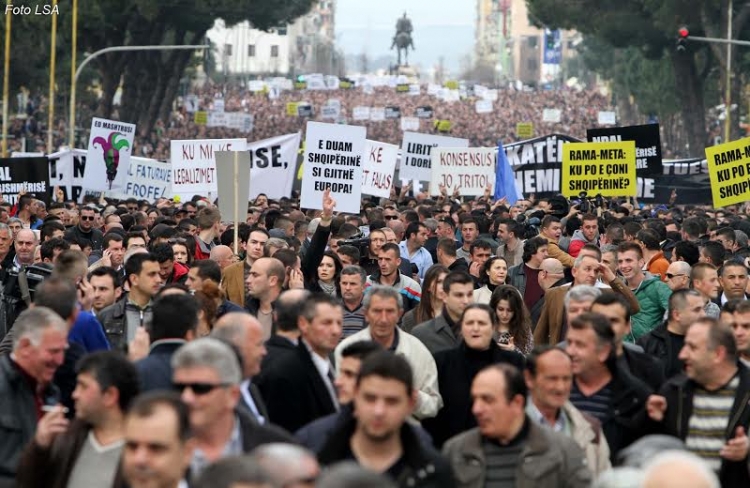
(177, 240)
(199, 388)
(86, 217)
(670, 275)
(390, 217)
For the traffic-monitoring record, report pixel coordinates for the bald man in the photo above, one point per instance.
(223, 255)
(677, 276)
(25, 244)
(263, 286)
(551, 274)
(678, 469)
(245, 332)
(287, 464)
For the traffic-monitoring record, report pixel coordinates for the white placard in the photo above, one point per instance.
(361, 113)
(148, 179)
(232, 120)
(415, 90)
(490, 95)
(256, 85)
(483, 106)
(607, 118)
(218, 105)
(194, 164)
(331, 110)
(333, 160)
(108, 155)
(273, 164)
(68, 170)
(409, 123)
(552, 115)
(379, 166)
(433, 89)
(367, 89)
(468, 169)
(192, 104)
(377, 114)
(416, 152)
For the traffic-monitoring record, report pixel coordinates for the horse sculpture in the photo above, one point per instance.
(402, 41)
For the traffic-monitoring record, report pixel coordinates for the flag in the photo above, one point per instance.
(505, 181)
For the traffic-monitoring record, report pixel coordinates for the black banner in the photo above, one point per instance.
(647, 144)
(29, 174)
(424, 112)
(392, 112)
(537, 163)
(304, 110)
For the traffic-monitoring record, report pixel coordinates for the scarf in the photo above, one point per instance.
(328, 289)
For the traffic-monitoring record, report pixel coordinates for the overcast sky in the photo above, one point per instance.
(441, 27)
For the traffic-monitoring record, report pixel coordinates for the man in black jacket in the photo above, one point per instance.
(85, 230)
(208, 375)
(665, 342)
(630, 358)
(379, 436)
(708, 406)
(26, 382)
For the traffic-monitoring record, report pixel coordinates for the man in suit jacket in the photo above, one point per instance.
(174, 324)
(286, 333)
(299, 387)
(245, 332)
(443, 332)
(234, 275)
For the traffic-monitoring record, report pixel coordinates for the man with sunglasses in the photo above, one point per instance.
(86, 229)
(207, 374)
(677, 276)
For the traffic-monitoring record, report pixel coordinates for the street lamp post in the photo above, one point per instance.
(98, 53)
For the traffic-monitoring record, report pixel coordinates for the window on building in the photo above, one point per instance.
(532, 40)
(281, 31)
(251, 50)
(227, 49)
(274, 51)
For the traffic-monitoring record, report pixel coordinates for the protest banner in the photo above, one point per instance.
(148, 179)
(291, 109)
(232, 120)
(218, 105)
(483, 106)
(108, 156)
(468, 169)
(392, 112)
(333, 160)
(330, 112)
(424, 112)
(402, 88)
(552, 115)
(607, 118)
(524, 129)
(647, 144)
(200, 117)
(729, 170)
(409, 123)
(433, 89)
(192, 103)
(599, 168)
(490, 95)
(415, 90)
(232, 171)
(28, 174)
(272, 165)
(377, 114)
(361, 113)
(451, 84)
(67, 170)
(194, 164)
(416, 154)
(304, 109)
(379, 166)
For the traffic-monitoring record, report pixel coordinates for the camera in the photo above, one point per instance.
(584, 206)
(12, 301)
(361, 243)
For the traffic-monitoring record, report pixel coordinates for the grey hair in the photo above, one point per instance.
(431, 224)
(682, 267)
(609, 248)
(15, 220)
(276, 243)
(282, 461)
(209, 352)
(582, 293)
(33, 322)
(740, 238)
(382, 292)
(355, 270)
(683, 459)
(621, 477)
(313, 225)
(349, 473)
(4, 227)
(579, 260)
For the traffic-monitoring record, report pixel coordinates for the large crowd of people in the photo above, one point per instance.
(421, 343)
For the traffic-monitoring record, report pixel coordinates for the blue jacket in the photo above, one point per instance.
(88, 332)
(155, 370)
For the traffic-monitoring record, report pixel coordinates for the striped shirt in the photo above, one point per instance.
(596, 405)
(354, 321)
(502, 462)
(708, 423)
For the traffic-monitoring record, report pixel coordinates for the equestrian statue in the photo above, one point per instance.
(402, 41)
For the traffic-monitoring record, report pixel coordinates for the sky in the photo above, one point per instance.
(441, 28)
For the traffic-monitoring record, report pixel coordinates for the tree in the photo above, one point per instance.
(649, 26)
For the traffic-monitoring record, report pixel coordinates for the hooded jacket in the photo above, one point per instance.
(653, 297)
(577, 242)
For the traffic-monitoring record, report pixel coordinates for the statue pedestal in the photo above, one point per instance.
(406, 71)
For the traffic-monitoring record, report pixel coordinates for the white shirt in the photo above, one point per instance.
(245, 390)
(323, 366)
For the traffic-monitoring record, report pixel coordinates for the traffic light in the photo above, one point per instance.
(682, 37)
